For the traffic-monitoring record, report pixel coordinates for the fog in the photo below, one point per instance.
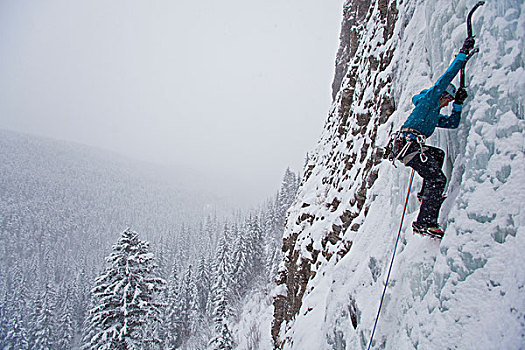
(228, 93)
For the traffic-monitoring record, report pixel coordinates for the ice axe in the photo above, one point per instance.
(469, 35)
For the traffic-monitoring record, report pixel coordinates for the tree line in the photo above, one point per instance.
(179, 292)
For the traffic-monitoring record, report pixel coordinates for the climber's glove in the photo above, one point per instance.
(468, 45)
(461, 96)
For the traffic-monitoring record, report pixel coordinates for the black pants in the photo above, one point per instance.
(434, 182)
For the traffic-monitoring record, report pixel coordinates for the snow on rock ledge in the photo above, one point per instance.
(468, 292)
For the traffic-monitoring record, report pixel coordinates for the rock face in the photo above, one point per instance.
(362, 103)
(340, 230)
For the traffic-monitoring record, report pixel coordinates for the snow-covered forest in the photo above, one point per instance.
(65, 239)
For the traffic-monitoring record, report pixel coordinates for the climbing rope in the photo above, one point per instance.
(391, 262)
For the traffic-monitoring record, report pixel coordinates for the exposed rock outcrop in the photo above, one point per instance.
(362, 103)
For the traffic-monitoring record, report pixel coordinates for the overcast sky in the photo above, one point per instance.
(235, 89)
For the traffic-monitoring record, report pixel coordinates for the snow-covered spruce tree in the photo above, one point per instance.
(248, 257)
(43, 325)
(14, 314)
(203, 284)
(221, 296)
(211, 229)
(188, 304)
(223, 339)
(16, 337)
(241, 264)
(66, 325)
(287, 194)
(80, 296)
(257, 249)
(270, 215)
(126, 309)
(172, 311)
(203, 319)
(271, 240)
(271, 224)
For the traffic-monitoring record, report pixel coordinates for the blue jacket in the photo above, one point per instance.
(425, 117)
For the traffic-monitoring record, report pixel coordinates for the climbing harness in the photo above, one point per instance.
(392, 261)
(399, 145)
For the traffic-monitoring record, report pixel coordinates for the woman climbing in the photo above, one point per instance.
(408, 144)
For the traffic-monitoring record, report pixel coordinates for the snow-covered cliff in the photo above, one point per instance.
(466, 292)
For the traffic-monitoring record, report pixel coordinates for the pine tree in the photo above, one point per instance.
(44, 327)
(273, 258)
(287, 193)
(172, 311)
(16, 337)
(14, 332)
(223, 339)
(221, 293)
(4, 321)
(80, 296)
(203, 317)
(211, 229)
(66, 325)
(188, 304)
(273, 221)
(241, 265)
(161, 259)
(257, 249)
(203, 285)
(271, 236)
(270, 222)
(126, 310)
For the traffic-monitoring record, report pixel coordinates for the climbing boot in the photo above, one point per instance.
(426, 229)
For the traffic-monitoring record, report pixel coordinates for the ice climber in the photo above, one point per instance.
(409, 143)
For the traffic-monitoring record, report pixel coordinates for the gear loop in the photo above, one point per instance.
(421, 141)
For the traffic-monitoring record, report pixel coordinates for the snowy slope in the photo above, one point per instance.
(90, 182)
(467, 292)
(62, 202)
(252, 326)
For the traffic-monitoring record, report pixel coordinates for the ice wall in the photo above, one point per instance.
(467, 292)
